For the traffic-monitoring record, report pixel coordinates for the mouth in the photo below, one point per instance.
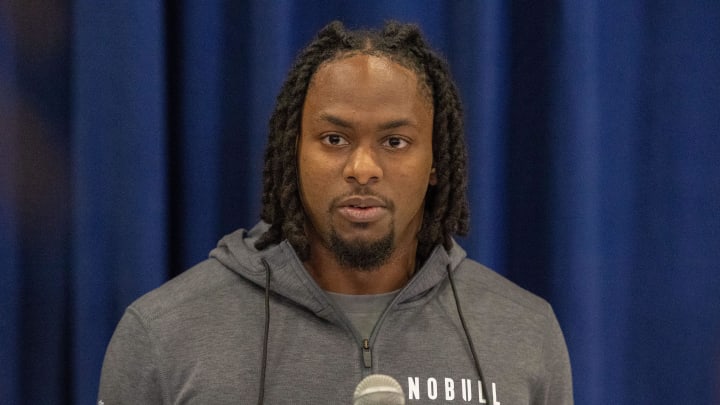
(362, 208)
(362, 202)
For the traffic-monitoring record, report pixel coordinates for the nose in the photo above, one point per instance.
(362, 167)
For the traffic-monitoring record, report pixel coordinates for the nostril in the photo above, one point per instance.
(362, 166)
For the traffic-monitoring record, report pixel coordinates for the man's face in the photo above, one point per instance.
(365, 158)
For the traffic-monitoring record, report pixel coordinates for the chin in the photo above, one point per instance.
(362, 253)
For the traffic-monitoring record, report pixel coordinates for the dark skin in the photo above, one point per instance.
(365, 163)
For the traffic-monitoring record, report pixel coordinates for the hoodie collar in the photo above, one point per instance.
(289, 278)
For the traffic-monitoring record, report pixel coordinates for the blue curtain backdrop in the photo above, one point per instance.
(131, 139)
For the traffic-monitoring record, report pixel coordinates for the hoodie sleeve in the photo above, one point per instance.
(130, 372)
(556, 387)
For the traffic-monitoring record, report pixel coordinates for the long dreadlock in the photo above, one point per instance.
(446, 208)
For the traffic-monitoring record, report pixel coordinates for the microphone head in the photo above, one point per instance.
(379, 389)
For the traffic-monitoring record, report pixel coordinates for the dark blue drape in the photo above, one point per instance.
(131, 139)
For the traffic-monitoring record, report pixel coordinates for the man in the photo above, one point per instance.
(353, 270)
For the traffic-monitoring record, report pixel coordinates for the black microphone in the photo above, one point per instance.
(379, 389)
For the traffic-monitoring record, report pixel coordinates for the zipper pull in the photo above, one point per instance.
(367, 353)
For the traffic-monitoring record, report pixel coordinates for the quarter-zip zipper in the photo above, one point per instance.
(367, 353)
(366, 349)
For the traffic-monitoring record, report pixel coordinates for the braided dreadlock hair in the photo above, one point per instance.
(446, 207)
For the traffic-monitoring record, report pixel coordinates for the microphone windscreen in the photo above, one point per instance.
(379, 389)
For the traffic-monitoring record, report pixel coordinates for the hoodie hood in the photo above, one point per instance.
(289, 278)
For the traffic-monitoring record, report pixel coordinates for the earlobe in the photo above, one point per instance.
(433, 178)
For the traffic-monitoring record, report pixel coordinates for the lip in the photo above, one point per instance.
(362, 209)
(361, 202)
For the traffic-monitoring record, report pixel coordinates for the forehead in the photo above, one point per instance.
(365, 78)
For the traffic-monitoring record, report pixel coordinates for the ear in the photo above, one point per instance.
(433, 178)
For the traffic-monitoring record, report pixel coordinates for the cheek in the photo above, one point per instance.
(413, 189)
(314, 180)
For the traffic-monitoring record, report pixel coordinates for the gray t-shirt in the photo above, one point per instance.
(363, 311)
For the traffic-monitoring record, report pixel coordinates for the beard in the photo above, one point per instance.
(362, 255)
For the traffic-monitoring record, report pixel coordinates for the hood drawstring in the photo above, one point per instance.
(263, 366)
(467, 334)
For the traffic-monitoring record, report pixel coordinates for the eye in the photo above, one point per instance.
(334, 140)
(395, 142)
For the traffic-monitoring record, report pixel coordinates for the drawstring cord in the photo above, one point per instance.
(467, 334)
(263, 366)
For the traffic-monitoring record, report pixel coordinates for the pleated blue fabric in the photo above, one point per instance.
(132, 138)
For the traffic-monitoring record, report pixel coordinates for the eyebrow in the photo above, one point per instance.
(384, 126)
(336, 120)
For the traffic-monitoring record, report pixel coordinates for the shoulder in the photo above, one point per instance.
(206, 284)
(499, 292)
(508, 319)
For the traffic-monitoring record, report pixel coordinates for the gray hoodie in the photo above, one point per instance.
(198, 339)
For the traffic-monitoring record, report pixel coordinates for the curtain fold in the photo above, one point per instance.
(194, 99)
(119, 173)
(131, 140)
(10, 274)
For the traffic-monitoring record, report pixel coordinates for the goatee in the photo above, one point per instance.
(362, 255)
